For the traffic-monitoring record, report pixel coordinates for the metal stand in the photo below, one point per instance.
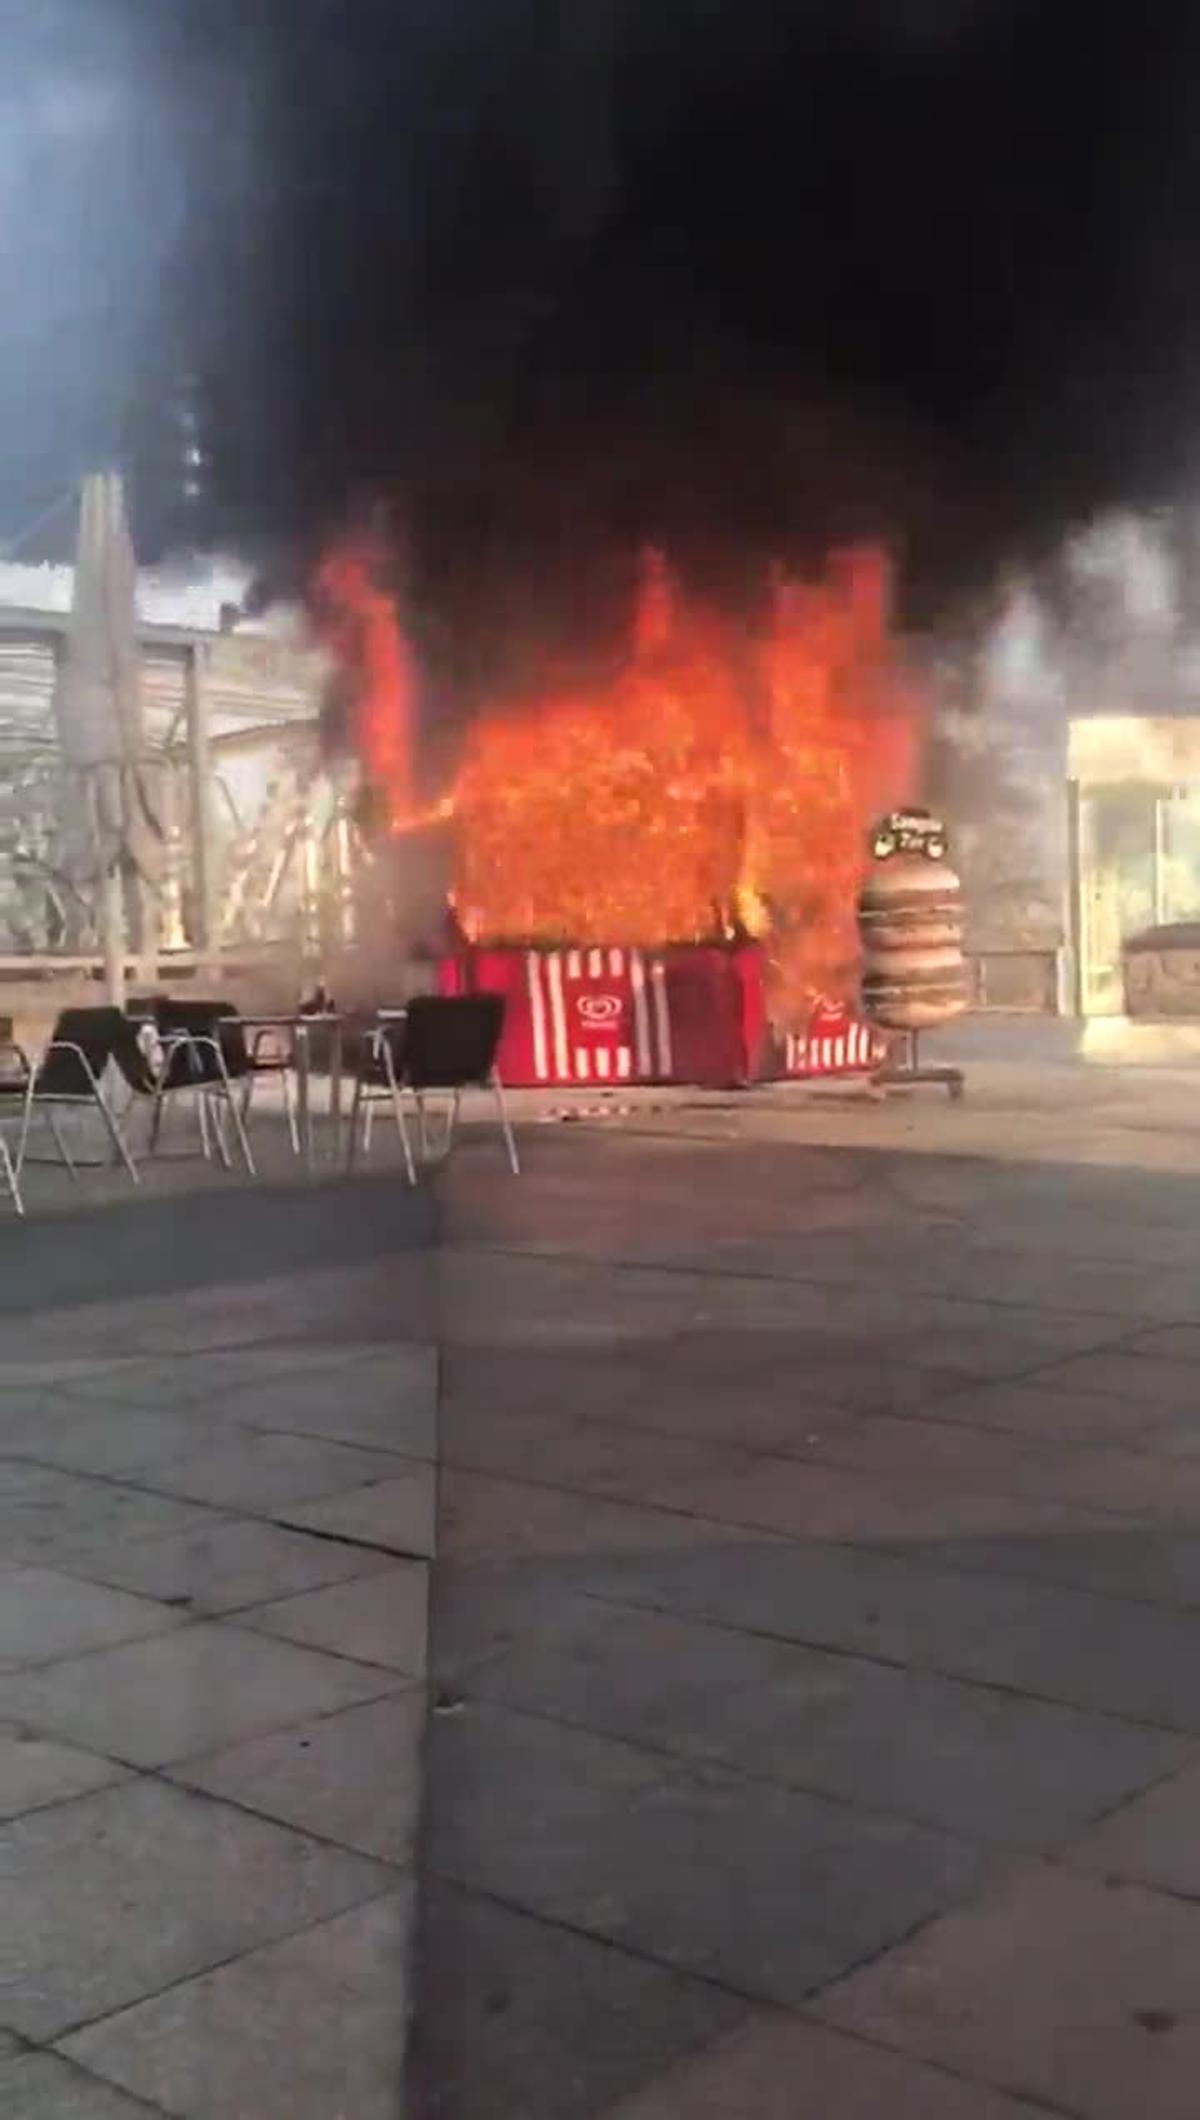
(908, 1073)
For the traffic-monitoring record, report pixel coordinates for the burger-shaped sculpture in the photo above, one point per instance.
(910, 923)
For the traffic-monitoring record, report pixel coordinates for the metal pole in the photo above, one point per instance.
(110, 888)
(200, 774)
(112, 915)
(171, 935)
(1160, 861)
(1076, 901)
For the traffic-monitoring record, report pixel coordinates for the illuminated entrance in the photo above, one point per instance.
(1135, 843)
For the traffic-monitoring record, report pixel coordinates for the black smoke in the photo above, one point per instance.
(553, 279)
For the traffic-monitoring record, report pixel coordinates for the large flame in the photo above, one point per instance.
(360, 624)
(721, 780)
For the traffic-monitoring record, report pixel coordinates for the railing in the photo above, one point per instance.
(43, 967)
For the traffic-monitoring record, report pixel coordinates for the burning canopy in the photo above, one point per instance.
(719, 783)
(723, 781)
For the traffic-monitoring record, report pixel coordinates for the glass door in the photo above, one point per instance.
(1120, 885)
(1178, 856)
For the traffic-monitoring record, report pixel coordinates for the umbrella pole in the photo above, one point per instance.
(112, 914)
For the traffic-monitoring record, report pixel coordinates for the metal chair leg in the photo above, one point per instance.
(289, 1110)
(119, 1143)
(202, 1115)
(352, 1137)
(402, 1130)
(60, 1144)
(438, 1148)
(216, 1121)
(395, 1090)
(239, 1127)
(157, 1115)
(514, 1161)
(10, 1177)
(26, 1123)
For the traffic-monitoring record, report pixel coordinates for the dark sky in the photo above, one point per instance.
(554, 277)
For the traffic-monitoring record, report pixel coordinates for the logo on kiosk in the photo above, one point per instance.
(600, 1012)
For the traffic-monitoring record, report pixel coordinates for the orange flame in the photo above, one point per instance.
(720, 780)
(362, 629)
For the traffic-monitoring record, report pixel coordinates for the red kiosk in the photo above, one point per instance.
(603, 1016)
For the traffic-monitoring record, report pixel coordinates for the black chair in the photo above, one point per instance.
(444, 1046)
(248, 1049)
(189, 1048)
(204, 1049)
(69, 1076)
(378, 1079)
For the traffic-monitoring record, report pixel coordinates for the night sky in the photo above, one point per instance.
(548, 279)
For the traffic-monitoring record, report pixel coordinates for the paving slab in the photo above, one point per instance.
(384, 1402)
(188, 1386)
(112, 1441)
(817, 1500)
(1169, 1386)
(1155, 1839)
(776, 2067)
(1053, 1986)
(1048, 1411)
(1171, 1343)
(586, 1457)
(1026, 1636)
(35, 1771)
(352, 1776)
(305, 2029)
(381, 1618)
(48, 1517)
(1151, 1563)
(226, 1563)
(966, 1758)
(520, 2016)
(116, 1895)
(264, 1474)
(45, 2087)
(396, 1512)
(483, 1517)
(44, 1616)
(764, 1889)
(942, 1450)
(151, 1702)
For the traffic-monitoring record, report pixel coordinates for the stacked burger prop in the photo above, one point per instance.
(910, 923)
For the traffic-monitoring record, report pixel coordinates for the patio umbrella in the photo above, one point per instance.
(111, 837)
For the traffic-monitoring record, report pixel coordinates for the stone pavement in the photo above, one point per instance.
(814, 1629)
(216, 1507)
(816, 1623)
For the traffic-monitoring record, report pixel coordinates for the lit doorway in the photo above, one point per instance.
(1137, 865)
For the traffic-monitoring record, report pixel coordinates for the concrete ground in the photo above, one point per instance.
(814, 1633)
(816, 1622)
(216, 1513)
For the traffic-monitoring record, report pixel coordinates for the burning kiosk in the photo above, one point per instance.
(660, 872)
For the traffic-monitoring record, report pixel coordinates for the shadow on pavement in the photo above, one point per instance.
(817, 1547)
(146, 1246)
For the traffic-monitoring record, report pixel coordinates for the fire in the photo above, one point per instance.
(718, 785)
(359, 622)
(721, 782)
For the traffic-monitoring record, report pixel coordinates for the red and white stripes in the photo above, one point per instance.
(833, 1043)
(598, 1015)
